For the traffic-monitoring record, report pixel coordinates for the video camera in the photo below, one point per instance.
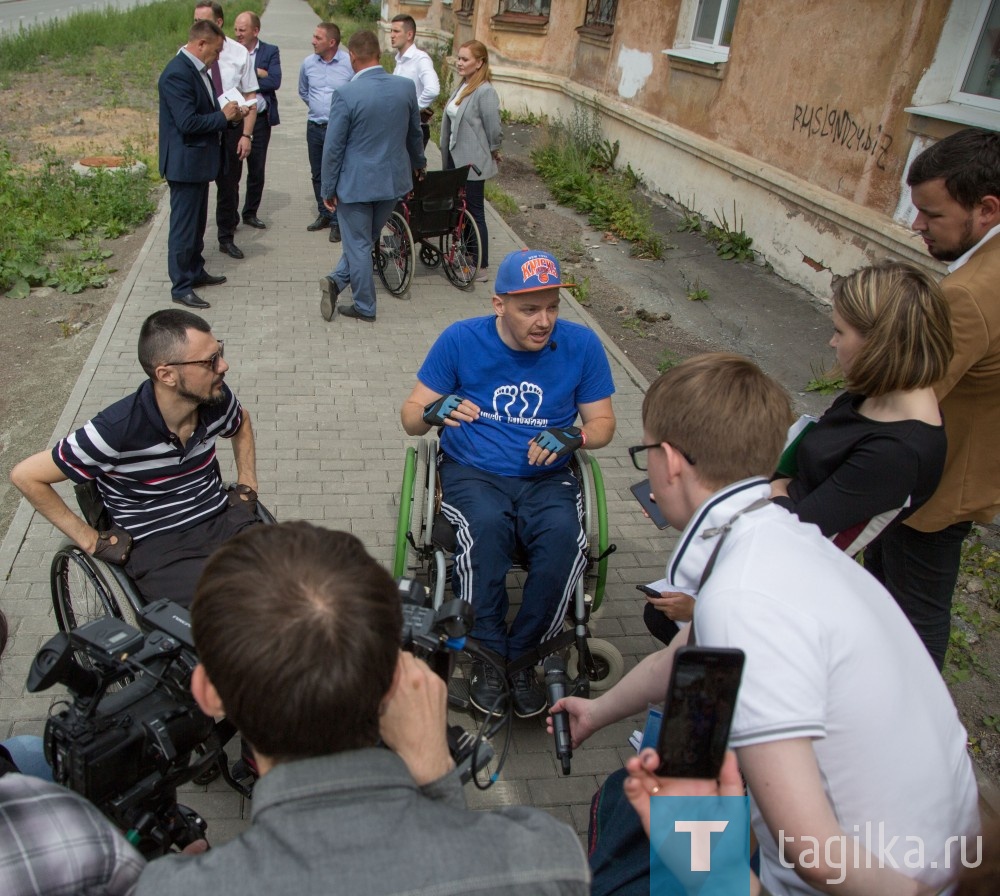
(132, 732)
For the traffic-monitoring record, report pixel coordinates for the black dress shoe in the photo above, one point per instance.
(334, 233)
(230, 249)
(254, 221)
(328, 291)
(192, 300)
(352, 311)
(319, 223)
(209, 280)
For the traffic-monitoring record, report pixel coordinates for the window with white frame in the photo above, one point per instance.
(713, 26)
(978, 82)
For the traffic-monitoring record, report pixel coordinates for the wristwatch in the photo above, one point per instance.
(248, 136)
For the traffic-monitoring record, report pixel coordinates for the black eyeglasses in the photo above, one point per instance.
(639, 461)
(212, 363)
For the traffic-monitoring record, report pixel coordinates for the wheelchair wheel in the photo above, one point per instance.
(393, 255)
(596, 522)
(429, 256)
(460, 252)
(80, 591)
(608, 662)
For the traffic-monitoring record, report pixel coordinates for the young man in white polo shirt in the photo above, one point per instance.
(844, 730)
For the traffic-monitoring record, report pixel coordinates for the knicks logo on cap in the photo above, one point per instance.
(540, 267)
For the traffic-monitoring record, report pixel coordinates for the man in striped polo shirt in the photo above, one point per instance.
(153, 457)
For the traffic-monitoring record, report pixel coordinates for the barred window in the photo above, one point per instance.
(526, 7)
(466, 6)
(601, 13)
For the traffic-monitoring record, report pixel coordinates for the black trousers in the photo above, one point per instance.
(227, 204)
(186, 238)
(255, 165)
(920, 570)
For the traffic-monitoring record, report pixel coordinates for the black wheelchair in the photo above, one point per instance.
(85, 588)
(433, 215)
(425, 541)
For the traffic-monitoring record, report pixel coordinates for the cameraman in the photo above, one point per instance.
(53, 841)
(298, 632)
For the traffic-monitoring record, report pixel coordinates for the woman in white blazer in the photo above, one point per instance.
(471, 134)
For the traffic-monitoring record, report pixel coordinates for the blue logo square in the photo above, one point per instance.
(699, 846)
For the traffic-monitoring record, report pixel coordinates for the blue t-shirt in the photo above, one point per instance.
(519, 393)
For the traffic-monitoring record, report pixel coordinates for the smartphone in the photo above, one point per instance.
(698, 711)
(649, 592)
(642, 493)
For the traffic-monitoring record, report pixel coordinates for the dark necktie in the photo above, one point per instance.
(216, 78)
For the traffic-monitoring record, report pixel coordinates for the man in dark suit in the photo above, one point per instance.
(266, 60)
(373, 144)
(191, 126)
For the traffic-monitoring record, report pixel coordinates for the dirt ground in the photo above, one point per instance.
(642, 305)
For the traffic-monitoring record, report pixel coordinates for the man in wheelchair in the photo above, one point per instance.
(152, 456)
(506, 390)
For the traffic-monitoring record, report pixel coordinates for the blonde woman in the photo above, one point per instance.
(877, 453)
(471, 134)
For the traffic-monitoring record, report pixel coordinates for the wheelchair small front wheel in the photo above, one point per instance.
(609, 665)
(430, 256)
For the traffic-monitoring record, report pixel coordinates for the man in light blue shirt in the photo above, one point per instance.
(320, 75)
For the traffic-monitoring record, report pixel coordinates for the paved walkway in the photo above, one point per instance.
(325, 403)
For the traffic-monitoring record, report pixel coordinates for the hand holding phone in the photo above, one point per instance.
(698, 711)
(644, 495)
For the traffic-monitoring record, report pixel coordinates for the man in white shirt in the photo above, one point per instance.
(233, 69)
(415, 64)
(850, 745)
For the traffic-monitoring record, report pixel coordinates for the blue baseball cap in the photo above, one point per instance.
(528, 270)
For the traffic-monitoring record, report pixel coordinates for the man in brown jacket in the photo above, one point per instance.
(955, 186)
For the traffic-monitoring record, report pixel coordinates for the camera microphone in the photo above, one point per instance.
(556, 687)
(552, 345)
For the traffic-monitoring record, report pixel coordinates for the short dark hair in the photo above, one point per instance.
(408, 22)
(163, 332)
(969, 162)
(203, 29)
(723, 411)
(364, 46)
(299, 629)
(212, 5)
(332, 30)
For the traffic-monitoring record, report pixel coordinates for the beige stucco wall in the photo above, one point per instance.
(804, 127)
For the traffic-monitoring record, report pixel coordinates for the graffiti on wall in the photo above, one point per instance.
(843, 129)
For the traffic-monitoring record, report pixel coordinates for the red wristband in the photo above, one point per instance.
(583, 436)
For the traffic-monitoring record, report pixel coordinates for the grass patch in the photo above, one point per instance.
(578, 166)
(974, 613)
(503, 202)
(825, 382)
(668, 360)
(42, 209)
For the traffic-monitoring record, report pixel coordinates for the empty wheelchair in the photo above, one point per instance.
(425, 541)
(434, 217)
(85, 588)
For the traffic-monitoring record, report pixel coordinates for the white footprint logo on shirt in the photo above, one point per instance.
(530, 395)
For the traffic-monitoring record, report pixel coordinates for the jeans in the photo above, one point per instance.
(920, 570)
(315, 138)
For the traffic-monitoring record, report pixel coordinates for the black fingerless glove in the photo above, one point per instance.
(560, 441)
(436, 412)
(242, 496)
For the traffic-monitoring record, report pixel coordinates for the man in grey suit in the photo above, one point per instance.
(373, 144)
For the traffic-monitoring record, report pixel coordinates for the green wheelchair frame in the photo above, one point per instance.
(594, 664)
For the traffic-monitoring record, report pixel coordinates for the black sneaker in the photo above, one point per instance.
(528, 694)
(486, 688)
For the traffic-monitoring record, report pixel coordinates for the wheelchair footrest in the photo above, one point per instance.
(458, 693)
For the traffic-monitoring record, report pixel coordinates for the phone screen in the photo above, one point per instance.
(698, 711)
(642, 492)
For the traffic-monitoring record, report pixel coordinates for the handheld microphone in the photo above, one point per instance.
(556, 687)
